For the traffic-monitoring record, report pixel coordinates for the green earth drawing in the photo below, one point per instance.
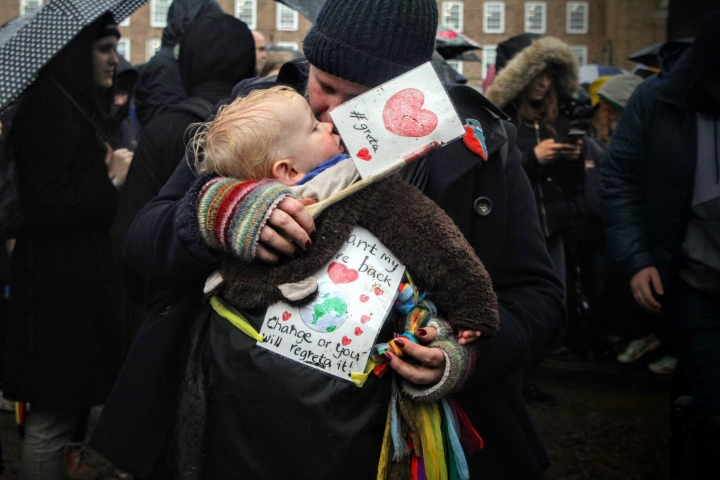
(328, 311)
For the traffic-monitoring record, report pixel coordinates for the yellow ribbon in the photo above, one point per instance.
(236, 318)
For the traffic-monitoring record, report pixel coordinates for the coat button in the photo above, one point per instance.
(482, 206)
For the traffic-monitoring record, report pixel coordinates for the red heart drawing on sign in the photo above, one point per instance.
(364, 154)
(339, 273)
(365, 319)
(286, 316)
(358, 331)
(364, 298)
(403, 114)
(346, 341)
(379, 291)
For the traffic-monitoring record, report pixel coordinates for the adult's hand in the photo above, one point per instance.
(432, 360)
(290, 224)
(640, 286)
(570, 151)
(118, 163)
(547, 151)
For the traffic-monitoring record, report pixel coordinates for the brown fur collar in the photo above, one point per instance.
(529, 63)
(420, 234)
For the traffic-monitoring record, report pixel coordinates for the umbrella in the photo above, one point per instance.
(650, 55)
(451, 44)
(307, 8)
(30, 42)
(590, 73)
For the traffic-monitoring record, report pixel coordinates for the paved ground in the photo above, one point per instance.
(611, 423)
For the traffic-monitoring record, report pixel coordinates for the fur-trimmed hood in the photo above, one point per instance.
(529, 63)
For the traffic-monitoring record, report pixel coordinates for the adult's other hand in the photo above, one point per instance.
(547, 151)
(432, 360)
(290, 223)
(640, 286)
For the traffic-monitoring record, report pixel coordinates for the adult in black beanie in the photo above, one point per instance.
(354, 46)
(661, 198)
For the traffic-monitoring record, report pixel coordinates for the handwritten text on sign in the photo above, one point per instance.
(396, 118)
(336, 331)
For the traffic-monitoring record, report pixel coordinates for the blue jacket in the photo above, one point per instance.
(649, 173)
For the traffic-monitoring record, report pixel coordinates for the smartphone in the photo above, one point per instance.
(572, 136)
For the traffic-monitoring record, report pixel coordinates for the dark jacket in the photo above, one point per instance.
(62, 338)
(216, 52)
(507, 239)
(649, 173)
(555, 184)
(160, 86)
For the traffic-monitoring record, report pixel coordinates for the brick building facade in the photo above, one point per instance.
(600, 31)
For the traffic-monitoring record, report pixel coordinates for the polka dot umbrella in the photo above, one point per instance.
(29, 42)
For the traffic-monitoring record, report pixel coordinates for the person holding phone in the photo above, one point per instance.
(536, 90)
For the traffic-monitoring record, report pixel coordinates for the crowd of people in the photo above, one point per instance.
(165, 210)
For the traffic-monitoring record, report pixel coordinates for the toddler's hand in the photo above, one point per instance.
(468, 336)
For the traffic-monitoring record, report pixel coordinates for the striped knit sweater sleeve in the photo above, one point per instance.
(226, 215)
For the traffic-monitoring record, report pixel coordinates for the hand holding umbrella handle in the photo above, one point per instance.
(317, 208)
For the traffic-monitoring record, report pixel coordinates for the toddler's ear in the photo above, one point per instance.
(284, 172)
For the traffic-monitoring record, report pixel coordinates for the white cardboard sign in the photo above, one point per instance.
(336, 331)
(396, 118)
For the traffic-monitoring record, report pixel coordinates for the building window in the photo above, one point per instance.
(494, 17)
(456, 65)
(158, 12)
(30, 6)
(125, 23)
(581, 52)
(452, 15)
(123, 48)
(246, 10)
(286, 18)
(578, 14)
(535, 17)
(151, 48)
(286, 46)
(489, 53)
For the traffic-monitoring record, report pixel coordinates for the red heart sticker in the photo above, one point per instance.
(286, 316)
(339, 273)
(358, 331)
(346, 341)
(379, 291)
(364, 154)
(364, 298)
(403, 114)
(365, 319)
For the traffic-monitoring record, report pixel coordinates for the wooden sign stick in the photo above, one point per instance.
(317, 208)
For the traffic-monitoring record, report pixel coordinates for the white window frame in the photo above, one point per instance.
(486, 8)
(485, 64)
(24, 6)
(583, 53)
(252, 21)
(446, 9)
(154, 20)
(291, 45)
(281, 10)
(543, 27)
(456, 65)
(125, 23)
(151, 47)
(127, 44)
(568, 15)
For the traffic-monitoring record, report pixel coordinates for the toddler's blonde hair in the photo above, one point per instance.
(240, 141)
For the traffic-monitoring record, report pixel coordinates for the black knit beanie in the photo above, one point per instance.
(372, 41)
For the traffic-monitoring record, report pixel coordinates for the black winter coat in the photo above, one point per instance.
(649, 174)
(506, 237)
(62, 339)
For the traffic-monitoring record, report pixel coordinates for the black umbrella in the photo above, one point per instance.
(650, 55)
(451, 44)
(27, 44)
(307, 8)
